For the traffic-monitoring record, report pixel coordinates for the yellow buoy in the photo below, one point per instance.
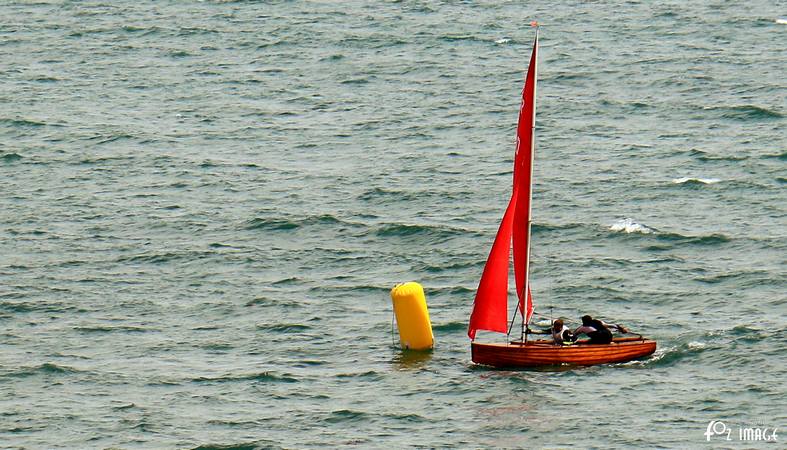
(412, 316)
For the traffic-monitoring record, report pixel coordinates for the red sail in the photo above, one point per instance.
(523, 183)
(490, 310)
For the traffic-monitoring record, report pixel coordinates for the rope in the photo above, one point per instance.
(393, 340)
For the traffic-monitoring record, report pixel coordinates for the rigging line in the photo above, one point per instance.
(393, 340)
(523, 336)
(511, 327)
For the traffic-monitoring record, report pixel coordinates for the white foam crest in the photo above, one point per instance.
(781, 21)
(628, 225)
(503, 41)
(544, 323)
(659, 354)
(695, 180)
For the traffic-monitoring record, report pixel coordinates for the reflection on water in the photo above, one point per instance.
(492, 371)
(412, 359)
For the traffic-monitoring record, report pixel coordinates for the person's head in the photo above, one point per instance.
(586, 319)
(557, 325)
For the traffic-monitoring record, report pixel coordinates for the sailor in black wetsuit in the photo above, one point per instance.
(596, 330)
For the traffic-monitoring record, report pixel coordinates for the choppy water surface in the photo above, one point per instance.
(205, 204)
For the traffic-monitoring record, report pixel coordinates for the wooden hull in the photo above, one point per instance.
(545, 353)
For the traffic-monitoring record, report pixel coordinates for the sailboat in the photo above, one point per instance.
(490, 309)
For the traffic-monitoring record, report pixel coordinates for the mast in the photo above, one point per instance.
(526, 296)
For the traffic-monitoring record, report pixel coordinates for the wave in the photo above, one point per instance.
(42, 369)
(451, 290)
(748, 332)
(141, 31)
(268, 302)
(405, 417)
(780, 156)
(308, 363)
(22, 123)
(745, 112)
(271, 224)
(741, 279)
(286, 281)
(46, 79)
(450, 326)
(355, 81)
(371, 289)
(34, 306)
(545, 228)
(125, 406)
(160, 258)
(101, 139)
(458, 37)
(704, 156)
(629, 105)
(695, 181)
(284, 224)
(394, 195)
(11, 157)
(108, 329)
(179, 54)
(433, 268)
(334, 57)
(213, 244)
(708, 239)
(102, 160)
(284, 327)
(628, 225)
(189, 31)
(264, 377)
(407, 230)
(347, 415)
(369, 374)
(216, 347)
(242, 446)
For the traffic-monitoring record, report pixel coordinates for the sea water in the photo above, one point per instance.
(205, 204)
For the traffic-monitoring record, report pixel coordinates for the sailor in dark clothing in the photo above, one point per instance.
(597, 331)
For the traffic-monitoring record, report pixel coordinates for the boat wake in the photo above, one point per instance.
(668, 356)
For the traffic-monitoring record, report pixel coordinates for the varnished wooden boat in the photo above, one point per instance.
(545, 353)
(490, 307)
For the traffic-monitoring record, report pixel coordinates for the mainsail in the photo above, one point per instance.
(490, 310)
